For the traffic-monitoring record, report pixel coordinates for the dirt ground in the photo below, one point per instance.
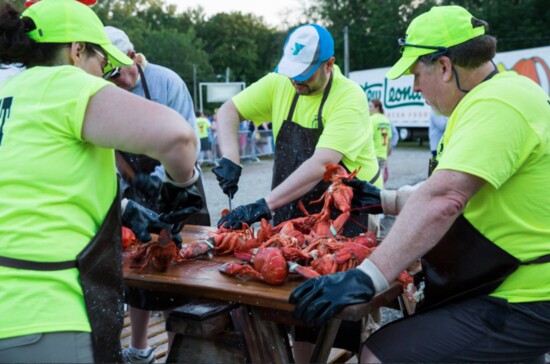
(408, 164)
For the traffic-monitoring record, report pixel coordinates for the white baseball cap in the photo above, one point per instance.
(119, 39)
(306, 47)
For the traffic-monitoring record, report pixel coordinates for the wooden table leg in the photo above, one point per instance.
(277, 348)
(325, 341)
(264, 340)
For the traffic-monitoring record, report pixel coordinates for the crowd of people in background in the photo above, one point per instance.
(120, 142)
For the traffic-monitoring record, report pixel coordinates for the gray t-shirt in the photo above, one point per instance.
(167, 88)
(436, 129)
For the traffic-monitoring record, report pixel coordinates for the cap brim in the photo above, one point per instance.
(297, 71)
(401, 67)
(116, 56)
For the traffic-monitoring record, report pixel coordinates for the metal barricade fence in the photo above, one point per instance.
(252, 145)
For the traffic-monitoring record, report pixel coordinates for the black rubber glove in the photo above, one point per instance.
(318, 299)
(177, 203)
(228, 173)
(246, 213)
(148, 185)
(141, 220)
(366, 197)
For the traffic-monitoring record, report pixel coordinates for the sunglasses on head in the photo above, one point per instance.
(440, 50)
(112, 71)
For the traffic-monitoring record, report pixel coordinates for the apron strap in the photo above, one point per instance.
(375, 176)
(124, 167)
(319, 112)
(539, 260)
(31, 265)
(144, 82)
(325, 96)
(51, 266)
(292, 107)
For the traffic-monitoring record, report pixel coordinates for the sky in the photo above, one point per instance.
(274, 12)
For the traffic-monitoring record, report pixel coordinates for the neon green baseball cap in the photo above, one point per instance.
(433, 31)
(66, 21)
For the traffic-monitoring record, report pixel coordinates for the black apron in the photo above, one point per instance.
(100, 272)
(464, 263)
(294, 145)
(141, 163)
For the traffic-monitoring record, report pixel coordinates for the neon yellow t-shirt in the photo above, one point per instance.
(500, 132)
(55, 190)
(346, 125)
(202, 125)
(382, 134)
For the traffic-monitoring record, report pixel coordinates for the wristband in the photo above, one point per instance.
(189, 182)
(388, 199)
(379, 282)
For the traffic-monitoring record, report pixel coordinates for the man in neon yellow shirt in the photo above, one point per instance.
(203, 126)
(480, 222)
(382, 133)
(319, 117)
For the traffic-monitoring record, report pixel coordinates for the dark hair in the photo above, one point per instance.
(16, 46)
(470, 54)
(378, 104)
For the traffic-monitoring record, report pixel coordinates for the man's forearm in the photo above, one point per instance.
(228, 131)
(413, 233)
(427, 215)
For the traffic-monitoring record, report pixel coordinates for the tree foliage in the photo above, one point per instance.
(374, 26)
(517, 24)
(243, 42)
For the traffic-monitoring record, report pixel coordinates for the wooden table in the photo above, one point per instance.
(265, 305)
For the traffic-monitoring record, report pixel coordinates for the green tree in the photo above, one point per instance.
(373, 28)
(517, 24)
(241, 42)
(180, 52)
(160, 34)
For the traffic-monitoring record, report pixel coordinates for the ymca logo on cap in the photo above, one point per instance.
(305, 49)
(297, 48)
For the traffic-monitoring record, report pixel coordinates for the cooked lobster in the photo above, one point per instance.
(269, 266)
(128, 238)
(160, 253)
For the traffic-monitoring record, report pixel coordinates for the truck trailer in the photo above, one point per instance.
(408, 110)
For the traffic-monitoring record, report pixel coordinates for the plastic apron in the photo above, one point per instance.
(464, 263)
(294, 145)
(100, 273)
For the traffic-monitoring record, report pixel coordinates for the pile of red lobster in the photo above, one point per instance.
(308, 246)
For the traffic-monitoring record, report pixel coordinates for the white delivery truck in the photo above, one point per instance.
(408, 110)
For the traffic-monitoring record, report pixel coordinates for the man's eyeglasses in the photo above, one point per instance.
(440, 50)
(112, 74)
(112, 71)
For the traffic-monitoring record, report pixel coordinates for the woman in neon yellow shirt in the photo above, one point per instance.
(60, 121)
